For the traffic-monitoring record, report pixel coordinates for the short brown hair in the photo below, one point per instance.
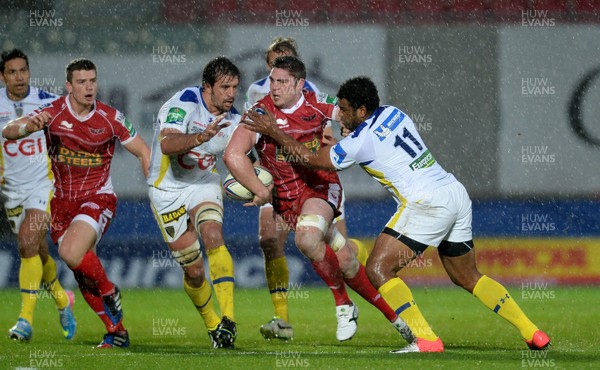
(78, 65)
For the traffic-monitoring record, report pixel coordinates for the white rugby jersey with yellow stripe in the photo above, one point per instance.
(25, 161)
(389, 148)
(187, 113)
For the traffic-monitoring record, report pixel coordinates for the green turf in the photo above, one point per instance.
(167, 333)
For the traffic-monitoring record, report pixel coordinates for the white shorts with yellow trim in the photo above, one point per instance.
(171, 207)
(16, 203)
(443, 215)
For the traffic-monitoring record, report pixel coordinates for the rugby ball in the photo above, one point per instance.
(236, 191)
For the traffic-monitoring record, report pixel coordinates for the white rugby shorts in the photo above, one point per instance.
(16, 203)
(445, 214)
(171, 207)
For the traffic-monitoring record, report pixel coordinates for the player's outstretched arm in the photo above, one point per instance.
(139, 148)
(24, 126)
(176, 142)
(265, 125)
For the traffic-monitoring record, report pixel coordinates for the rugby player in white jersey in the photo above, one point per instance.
(26, 193)
(434, 208)
(185, 190)
(272, 231)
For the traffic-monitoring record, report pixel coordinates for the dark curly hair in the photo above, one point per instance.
(10, 55)
(217, 68)
(360, 91)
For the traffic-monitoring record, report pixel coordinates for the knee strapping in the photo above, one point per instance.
(337, 240)
(189, 255)
(208, 213)
(317, 221)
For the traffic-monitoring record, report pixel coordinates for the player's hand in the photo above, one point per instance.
(260, 120)
(37, 122)
(344, 131)
(214, 127)
(264, 197)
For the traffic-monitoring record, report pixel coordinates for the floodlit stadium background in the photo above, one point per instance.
(504, 93)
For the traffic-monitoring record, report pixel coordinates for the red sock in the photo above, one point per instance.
(94, 300)
(91, 268)
(361, 285)
(329, 270)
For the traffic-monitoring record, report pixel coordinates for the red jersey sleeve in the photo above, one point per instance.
(123, 129)
(324, 103)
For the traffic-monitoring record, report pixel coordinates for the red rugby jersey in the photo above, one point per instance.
(304, 122)
(81, 148)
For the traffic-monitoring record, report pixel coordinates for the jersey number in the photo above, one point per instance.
(401, 143)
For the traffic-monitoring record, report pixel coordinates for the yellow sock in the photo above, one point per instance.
(397, 294)
(496, 298)
(202, 298)
(30, 279)
(277, 274)
(221, 273)
(53, 285)
(362, 254)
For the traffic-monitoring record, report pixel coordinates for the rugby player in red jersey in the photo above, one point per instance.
(80, 135)
(305, 199)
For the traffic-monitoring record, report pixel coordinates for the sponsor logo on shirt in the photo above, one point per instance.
(96, 131)
(78, 159)
(309, 118)
(129, 127)
(389, 125)
(176, 115)
(14, 212)
(26, 147)
(324, 98)
(173, 216)
(282, 122)
(425, 160)
(66, 125)
(120, 117)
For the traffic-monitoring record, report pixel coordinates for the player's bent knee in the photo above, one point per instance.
(194, 273)
(27, 248)
(268, 245)
(208, 213)
(188, 256)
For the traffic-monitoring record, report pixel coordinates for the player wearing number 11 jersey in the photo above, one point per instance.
(434, 209)
(185, 189)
